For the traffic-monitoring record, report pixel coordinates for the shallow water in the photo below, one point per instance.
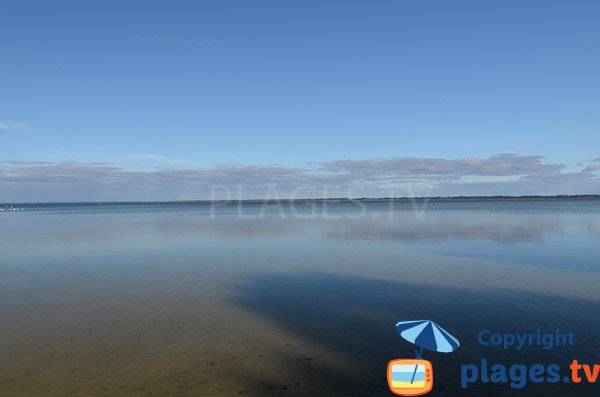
(194, 299)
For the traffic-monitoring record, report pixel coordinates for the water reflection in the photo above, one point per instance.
(457, 226)
(400, 226)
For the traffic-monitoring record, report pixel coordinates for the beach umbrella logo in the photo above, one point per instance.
(414, 377)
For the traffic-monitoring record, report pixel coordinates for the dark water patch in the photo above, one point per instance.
(355, 317)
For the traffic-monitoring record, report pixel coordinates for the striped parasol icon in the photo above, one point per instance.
(427, 335)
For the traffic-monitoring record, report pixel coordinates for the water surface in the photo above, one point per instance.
(194, 299)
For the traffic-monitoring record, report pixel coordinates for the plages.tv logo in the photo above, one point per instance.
(414, 377)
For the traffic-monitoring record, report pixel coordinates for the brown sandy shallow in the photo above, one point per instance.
(126, 338)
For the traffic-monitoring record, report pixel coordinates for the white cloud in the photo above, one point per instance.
(126, 160)
(499, 165)
(505, 174)
(13, 126)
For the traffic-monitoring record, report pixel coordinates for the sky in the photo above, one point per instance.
(169, 100)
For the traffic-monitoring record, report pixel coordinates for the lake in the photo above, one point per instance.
(289, 299)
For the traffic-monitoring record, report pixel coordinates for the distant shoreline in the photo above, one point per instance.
(321, 199)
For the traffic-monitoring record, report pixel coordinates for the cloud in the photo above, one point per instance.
(149, 157)
(592, 168)
(125, 159)
(12, 126)
(19, 162)
(501, 174)
(499, 165)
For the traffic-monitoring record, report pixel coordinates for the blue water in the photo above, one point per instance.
(286, 299)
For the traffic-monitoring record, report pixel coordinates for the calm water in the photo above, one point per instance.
(189, 299)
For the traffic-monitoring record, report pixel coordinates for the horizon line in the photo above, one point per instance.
(366, 198)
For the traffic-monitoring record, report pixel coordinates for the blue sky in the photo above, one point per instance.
(135, 88)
